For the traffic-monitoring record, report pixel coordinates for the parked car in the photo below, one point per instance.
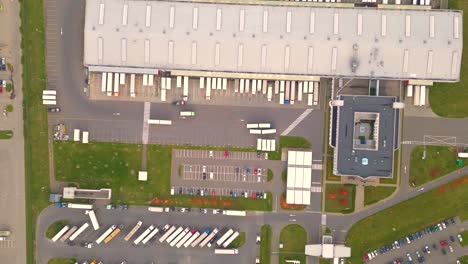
(426, 249)
(255, 171)
(53, 109)
(226, 153)
(408, 255)
(203, 210)
(259, 172)
(444, 251)
(434, 246)
(460, 238)
(204, 169)
(211, 154)
(451, 249)
(443, 243)
(452, 238)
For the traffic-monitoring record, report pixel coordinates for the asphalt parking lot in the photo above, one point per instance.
(220, 191)
(436, 255)
(118, 249)
(223, 173)
(213, 154)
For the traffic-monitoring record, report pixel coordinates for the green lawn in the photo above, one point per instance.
(104, 165)
(407, 217)
(374, 194)
(62, 261)
(269, 175)
(159, 160)
(6, 134)
(464, 235)
(239, 241)
(294, 238)
(284, 176)
(35, 117)
(329, 174)
(324, 261)
(339, 198)
(396, 172)
(449, 99)
(289, 142)
(439, 161)
(265, 244)
(55, 227)
(463, 260)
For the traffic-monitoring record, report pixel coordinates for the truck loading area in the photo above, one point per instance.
(118, 249)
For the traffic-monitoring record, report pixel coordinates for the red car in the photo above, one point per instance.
(254, 195)
(255, 171)
(213, 193)
(1, 89)
(226, 153)
(443, 243)
(366, 257)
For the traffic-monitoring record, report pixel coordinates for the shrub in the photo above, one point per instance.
(9, 108)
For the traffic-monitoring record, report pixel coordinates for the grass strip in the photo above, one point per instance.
(265, 244)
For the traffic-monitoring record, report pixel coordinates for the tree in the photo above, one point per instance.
(9, 108)
(343, 202)
(343, 192)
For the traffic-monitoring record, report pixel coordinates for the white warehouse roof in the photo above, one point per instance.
(274, 39)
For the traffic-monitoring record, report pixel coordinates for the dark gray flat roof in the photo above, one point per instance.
(380, 162)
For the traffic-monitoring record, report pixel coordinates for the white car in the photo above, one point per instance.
(460, 238)
(204, 169)
(211, 153)
(451, 249)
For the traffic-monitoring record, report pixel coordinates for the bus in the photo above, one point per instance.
(143, 235)
(79, 231)
(112, 235)
(209, 237)
(150, 236)
(133, 231)
(60, 233)
(224, 237)
(167, 234)
(68, 234)
(229, 241)
(179, 237)
(92, 217)
(105, 234)
(176, 233)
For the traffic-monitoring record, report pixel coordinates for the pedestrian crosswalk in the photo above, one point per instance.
(316, 189)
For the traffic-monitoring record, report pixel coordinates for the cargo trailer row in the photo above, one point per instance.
(418, 92)
(266, 144)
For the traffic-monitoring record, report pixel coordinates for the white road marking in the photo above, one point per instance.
(146, 114)
(296, 122)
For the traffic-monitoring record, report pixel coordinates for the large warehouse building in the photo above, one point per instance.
(143, 37)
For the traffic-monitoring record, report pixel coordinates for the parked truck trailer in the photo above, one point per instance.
(224, 237)
(79, 231)
(105, 234)
(227, 251)
(201, 237)
(112, 235)
(174, 235)
(167, 234)
(143, 235)
(179, 237)
(209, 237)
(133, 231)
(92, 217)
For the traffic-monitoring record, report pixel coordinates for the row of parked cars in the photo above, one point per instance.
(407, 240)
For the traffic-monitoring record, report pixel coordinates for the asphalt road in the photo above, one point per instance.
(118, 249)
